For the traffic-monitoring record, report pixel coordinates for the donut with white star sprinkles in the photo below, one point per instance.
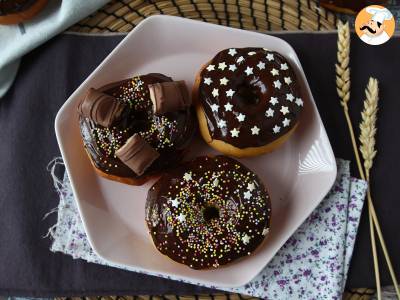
(248, 101)
(128, 137)
(208, 212)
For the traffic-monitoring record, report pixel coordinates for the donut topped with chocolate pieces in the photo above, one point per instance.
(137, 127)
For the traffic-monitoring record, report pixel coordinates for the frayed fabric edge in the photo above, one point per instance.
(60, 188)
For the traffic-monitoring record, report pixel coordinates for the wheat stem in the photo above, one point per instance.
(373, 246)
(384, 248)
(343, 89)
(372, 220)
(367, 148)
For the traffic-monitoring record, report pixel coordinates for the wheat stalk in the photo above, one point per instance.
(343, 82)
(367, 148)
(343, 90)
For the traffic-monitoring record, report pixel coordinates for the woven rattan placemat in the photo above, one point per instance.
(262, 16)
(124, 15)
(356, 294)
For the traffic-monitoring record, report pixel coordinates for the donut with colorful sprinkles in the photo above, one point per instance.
(248, 101)
(208, 212)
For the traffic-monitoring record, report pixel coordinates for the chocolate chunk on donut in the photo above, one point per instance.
(169, 96)
(101, 108)
(208, 212)
(137, 154)
(248, 101)
(163, 138)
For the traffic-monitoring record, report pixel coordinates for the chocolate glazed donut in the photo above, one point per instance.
(128, 141)
(208, 212)
(248, 101)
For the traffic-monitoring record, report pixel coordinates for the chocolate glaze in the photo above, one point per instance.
(208, 212)
(247, 78)
(169, 134)
(14, 6)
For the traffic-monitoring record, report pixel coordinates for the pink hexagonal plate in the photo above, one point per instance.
(298, 175)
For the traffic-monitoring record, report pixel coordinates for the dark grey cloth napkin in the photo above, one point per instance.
(51, 73)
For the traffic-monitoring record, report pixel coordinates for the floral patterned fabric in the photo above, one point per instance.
(312, 264)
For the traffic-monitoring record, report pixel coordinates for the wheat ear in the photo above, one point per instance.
(343, 90)
(368, 125)
(367, 148)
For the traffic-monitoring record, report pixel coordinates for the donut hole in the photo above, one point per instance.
(246, 95)
(135, 119)
(210, 212)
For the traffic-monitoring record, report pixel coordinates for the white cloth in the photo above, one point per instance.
(17, 40)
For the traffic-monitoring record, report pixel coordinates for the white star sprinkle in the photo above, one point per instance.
(229, 93)
(288, 80)
(174, 202)
(265, 231)
(247, 195)
(255, 130)
(277, 84)
(232, 67)
(207, 80)
(261, 65)
(223, 81)
(221, 123)
(214, 107)
(210, 68)
(181, 218)
(299, 102)
(235, 132)
(248, 71)
(270, 56)
(289, 97)
(216, 182)
(251, 186)
(276, 129)
(215, 92)
(232, 52)
(228, 107)
(222, 66)
(245, 239)
(269, 113)
(240, 59)
(274, 72)
(284, 66)
(286, 122)
(187, 176)
(241, 117)
(251, 53)
(284, 110)
(273, 100)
